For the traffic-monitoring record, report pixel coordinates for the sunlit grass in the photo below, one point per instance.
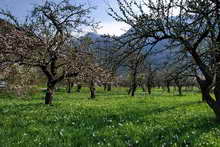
(112, 119)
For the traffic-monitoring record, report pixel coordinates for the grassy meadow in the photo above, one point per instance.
(112, 119)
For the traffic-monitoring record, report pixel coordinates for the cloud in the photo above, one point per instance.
(113, 28)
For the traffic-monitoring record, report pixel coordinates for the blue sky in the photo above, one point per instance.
(20, 8)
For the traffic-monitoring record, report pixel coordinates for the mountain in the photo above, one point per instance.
(103, 47)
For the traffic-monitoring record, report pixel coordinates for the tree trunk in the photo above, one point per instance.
(204, 86)
(179, 86)
(168, 86)
(69, 86)
(158, 85)
(49, 93)
(143, 87)
(105, 86)
(180, 90)
(149, 88)
(109, 87)
(129, 91)
(92, 89)
(214, 104)
(133, 90)
(175, 88)
(79, 86)
(133, 87)
(217, 83)
(133, 84)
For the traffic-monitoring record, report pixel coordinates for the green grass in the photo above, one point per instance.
(113, 119)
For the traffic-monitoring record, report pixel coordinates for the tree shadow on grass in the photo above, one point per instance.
(186, 133)
(14, 108)
(138, 112)
(93, 117)
(164, 109)
(175, 134)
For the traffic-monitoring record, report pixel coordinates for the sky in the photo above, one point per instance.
(20, 8)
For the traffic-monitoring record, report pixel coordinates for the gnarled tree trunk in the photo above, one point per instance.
(50, 92)
(206, 84)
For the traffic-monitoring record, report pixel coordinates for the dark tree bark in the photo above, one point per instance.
(168, 86)
(132, 90)
(204, 88)
(92, 90)
(109, 87)
(69, 86)
(149, 84)
(134, 83)
(180, 90)
(129, 91)
(134, 87)
(52, 81)
(207, 82)
(105, 86)
(49, 93)
(149, 88)
(79, 86)
(179, 86)
(217, 82)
